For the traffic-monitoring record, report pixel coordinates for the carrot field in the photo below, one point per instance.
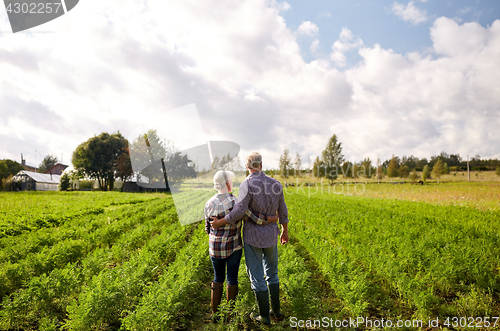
(117, 261)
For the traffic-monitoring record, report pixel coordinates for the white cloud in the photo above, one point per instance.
(314, 46)
(342, 45)
(409, 12)
(113, 68)
(308, 28)
(281, 6)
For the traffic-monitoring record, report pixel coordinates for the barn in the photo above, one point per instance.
(34, 181)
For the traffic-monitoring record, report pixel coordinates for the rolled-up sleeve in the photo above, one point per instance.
(282, 209)
(241, 205)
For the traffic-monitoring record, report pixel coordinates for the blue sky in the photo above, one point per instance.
(375, 23)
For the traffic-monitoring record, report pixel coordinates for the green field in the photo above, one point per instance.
(115, 261)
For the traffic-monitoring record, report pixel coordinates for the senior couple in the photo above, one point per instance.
(260, 199)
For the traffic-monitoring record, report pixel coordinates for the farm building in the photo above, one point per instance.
(34, 181)
(57, 169)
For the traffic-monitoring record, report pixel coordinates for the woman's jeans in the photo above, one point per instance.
(233, 265)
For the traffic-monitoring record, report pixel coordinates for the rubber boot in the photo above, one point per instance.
(262, 298)
(231, 293)
(216, 298)
(274, 291)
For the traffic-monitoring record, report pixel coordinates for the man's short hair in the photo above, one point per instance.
(253, 161)
(221, 177)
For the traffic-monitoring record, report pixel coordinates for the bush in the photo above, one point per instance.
(6, 184)
(64, 182)
(86, 184)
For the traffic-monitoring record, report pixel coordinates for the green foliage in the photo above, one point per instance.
(366, 169)
(8, 168)
(446, 169)
(393, 168)
(438, 169)
(64, 183)
(347, 169)
(404, 171)
(22, 212)
(48, 162)
(498, 170)
(285, 163)
(424, 254)
(414, 176)
(47, 297)
(133, 267)
(97, 158)
(426, 173)
(332, 158)
(297, 164)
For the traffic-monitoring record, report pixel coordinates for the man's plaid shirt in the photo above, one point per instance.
(226, 239)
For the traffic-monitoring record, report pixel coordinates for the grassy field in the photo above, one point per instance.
(114, 261)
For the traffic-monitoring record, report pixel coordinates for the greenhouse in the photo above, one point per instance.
(34, 181)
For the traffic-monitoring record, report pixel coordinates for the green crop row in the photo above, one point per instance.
(22, 212)
(177, 289)
(44, 302)
(104, 232)
(115, 292)
(428, 257)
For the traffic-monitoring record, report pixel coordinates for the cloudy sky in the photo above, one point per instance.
(387, 77)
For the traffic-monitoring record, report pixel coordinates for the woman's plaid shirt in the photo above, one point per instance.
(226, 239)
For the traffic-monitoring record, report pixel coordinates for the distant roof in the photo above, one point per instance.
(56, 165)
(41, 178)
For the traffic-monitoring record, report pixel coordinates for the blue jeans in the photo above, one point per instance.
(262, 266)
(233, 264)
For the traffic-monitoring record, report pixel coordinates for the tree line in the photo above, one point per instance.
(331, 164)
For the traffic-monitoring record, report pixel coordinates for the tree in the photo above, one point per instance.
(367, 168)
(64, 182)
(332, 158)
(48, 162)
(438, 169)
(8, 168)
(146, 155)
(426, 173)
(297, 164)
(380, 170)
(404, 171)
(414, 176)
(318, 168)
(392, 168)
(97, 158)
(498, 170)
(446, 169)
(123, 165)
(347, 169)
(285, 163)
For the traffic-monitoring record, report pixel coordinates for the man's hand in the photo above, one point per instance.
(284, 237)
(272, 219)
(284, 234)
(217, 222)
